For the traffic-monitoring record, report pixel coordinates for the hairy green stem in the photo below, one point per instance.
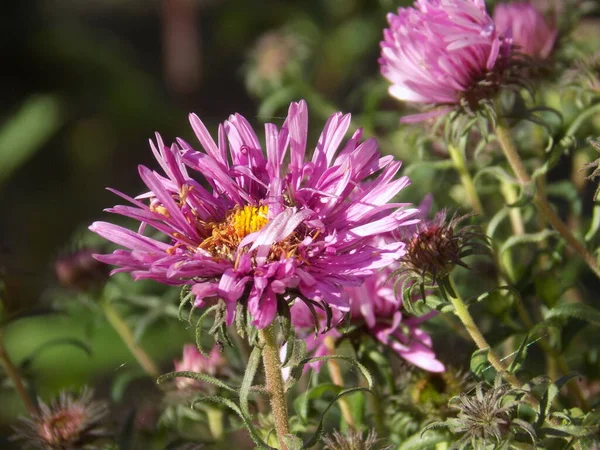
(126, 335)
(275, 386)
(13, 374)
(465, 178)
(540, 200)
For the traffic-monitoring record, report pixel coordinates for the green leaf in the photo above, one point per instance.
(549, 396)
(319, 431)
(121, 381)
(301, 402)
(425, 441)
(231, 405)
(594, 225)
(249, 374)
(27, 131)
(529, 238)
(198, 377)
(53, 343)
(363, 370)
(199, 329)
(480, 363)
(579, 311)
(517, 362)
(500, 173)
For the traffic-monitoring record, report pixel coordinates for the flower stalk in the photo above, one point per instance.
(13, 374)
(465, 177)
(275, 386)
(337, 378)
(540, 200)
(126, 335)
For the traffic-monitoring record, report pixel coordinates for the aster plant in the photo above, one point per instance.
(328, 311)
(272, 229)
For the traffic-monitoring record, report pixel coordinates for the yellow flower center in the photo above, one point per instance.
(226, 236)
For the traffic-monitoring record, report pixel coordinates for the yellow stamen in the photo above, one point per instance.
(226, 236)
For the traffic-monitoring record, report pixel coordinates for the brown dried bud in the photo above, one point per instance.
(438, 246)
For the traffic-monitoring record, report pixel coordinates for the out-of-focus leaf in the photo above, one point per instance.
(577, 310)
(595, 225)
(53, 343)
(423, 441)
(529, 238)
(27, 131)
(121, 381)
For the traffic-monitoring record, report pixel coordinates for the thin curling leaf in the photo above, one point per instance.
(319, 431)
(520, 355)
(199, 329)
(528, 238)
(186, 296)
(363, 370)
(526, 195)
(594, 225)
(496, 221)
(479, 362)
(301, 403)
(421, 442)
(579, 311)
(198, 377)
(500, 173)
(235, 408)
(249, 374)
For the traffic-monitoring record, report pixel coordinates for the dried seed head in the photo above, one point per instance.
(69, 422)
(485, 417)
(353, 440)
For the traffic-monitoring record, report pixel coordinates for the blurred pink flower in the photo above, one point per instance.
(439, 51)
(194, 361)
(270, 226)
(531, 33)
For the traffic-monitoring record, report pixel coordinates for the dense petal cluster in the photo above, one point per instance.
(194, 361)
(442, 52)
(531, 33)
(270, 225)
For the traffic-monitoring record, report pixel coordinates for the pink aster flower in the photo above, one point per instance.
(442, 52)
(530, 31)
(194, 361)
(376, 307)
(263, 226)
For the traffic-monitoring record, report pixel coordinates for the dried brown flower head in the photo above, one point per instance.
(69, 422)
(353, 440)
